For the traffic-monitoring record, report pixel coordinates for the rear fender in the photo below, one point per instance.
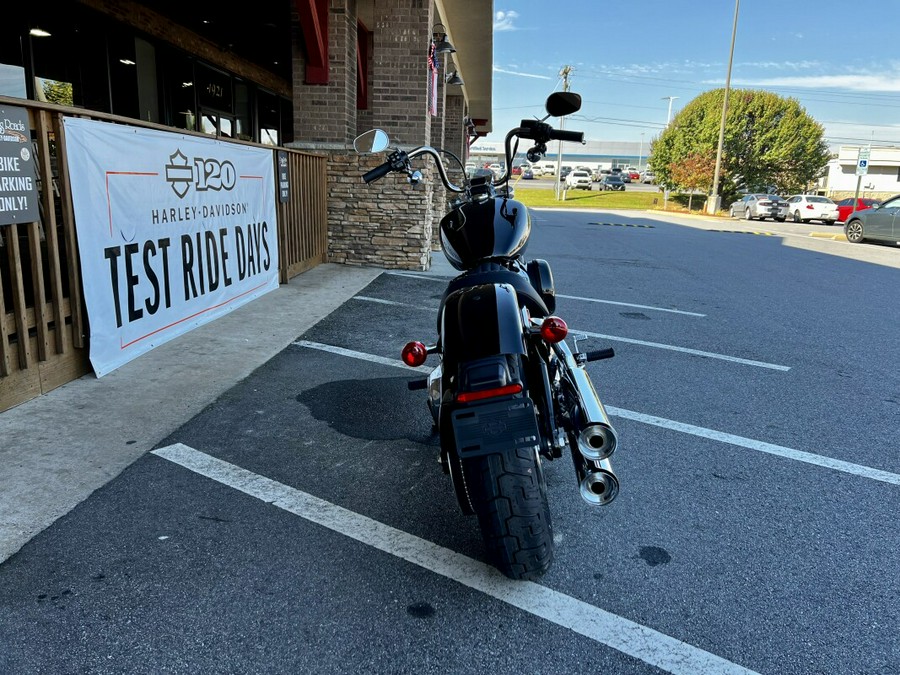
(480, 322)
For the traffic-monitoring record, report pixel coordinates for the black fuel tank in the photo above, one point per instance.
(493, 228)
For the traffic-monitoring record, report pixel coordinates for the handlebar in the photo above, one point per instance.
(531, 129)
(378, 172)
(563, 135)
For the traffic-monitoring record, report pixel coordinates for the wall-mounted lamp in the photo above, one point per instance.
(38, 32)
(453, 78)
(439, 38)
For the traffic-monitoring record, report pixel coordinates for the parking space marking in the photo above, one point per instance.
(568, 297)
(682, 427)
(650, 227)
(685, 350)
(340, 351)
(629, 304)
(648, 645)
(644, 343)
(759, 446)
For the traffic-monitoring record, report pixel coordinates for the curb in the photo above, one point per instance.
(840, 236)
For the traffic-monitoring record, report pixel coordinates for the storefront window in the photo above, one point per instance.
(243, 124)
(269, 114)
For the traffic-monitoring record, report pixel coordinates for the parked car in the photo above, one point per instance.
(648, 177)
(759, 205)
(612, 182)
(877, 222)
(527, 174)
(564, 171)
(804, 208)
(625, 176)
(845, 207)
(598, 174)
(497, 170)
(633, 174)
(579, 179)
(517, 171)
(536, 170)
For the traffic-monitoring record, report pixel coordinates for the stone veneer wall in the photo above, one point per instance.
(387, 223)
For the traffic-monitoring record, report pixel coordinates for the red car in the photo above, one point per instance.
(634, 175)
(845, 207)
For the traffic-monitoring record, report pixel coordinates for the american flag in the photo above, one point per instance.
(433, 81)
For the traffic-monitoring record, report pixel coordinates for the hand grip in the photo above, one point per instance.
(377, 172)
(563, 135)
(599, 354)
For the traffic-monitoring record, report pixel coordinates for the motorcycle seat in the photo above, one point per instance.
(494, 273)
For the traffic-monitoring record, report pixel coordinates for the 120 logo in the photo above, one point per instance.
(203, 173)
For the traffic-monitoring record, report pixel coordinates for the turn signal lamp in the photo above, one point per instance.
(554, 329)
(414, 354)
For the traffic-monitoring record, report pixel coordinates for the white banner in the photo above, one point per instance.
(173, 232)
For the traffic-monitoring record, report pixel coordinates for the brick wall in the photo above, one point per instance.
(326, 113)
(387, 223)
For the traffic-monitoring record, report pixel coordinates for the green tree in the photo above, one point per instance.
(57, 92)
(694, 172)
(770, 141)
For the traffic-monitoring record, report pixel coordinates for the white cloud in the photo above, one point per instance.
(883, 82)
(504, 20)
(498, 69)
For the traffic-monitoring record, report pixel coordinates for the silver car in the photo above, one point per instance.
(879, 222)
(760, 206)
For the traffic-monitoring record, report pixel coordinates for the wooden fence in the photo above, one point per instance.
(44, 333)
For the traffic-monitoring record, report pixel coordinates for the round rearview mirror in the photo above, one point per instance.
(375, 140)
(563, 103)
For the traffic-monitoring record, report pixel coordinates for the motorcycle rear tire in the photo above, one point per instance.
(509, 495)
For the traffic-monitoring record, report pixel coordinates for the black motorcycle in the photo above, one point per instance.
(508, 392)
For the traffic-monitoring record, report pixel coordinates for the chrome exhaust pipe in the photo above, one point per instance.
(597, 439)
(599, 485)
(597, 442)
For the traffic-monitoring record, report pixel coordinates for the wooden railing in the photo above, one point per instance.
(44, 336)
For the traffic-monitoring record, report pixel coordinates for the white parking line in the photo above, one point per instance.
(630, 304)
(685, 350)
(628, 637)
(616, 338)
(568, 297)
(360, 355)
(760, 446)
(721, 436)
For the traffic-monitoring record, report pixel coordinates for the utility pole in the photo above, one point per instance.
(564, 74)
(713, 204)
(668, 120)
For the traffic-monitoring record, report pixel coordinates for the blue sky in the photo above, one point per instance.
(839, 59)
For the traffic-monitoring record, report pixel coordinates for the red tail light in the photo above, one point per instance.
(554, 329)
(469, 396)
(809, 206)
(414, 354)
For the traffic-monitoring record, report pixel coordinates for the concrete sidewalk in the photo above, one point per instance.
(55, 450)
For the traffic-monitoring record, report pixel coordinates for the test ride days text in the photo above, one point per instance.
(210, 258)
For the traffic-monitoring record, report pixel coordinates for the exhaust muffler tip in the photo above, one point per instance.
(599, 488)
(597, 442)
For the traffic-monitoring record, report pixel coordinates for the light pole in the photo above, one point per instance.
(641, 153)
(713, 203)
(668, 120)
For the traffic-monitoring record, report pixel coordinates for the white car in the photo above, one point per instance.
(497, 170)
(803, 208)
(579, 179)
